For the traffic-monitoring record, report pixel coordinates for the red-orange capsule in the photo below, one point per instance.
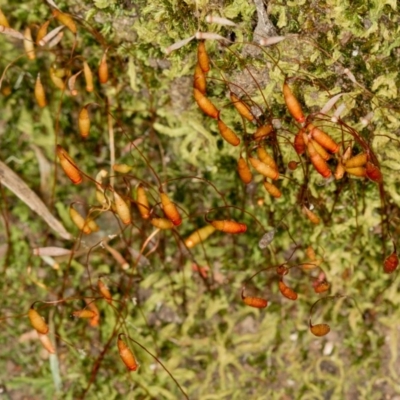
(282, 270)
(105, 292)
(299, 144)
(142, 202)
(202, 57)
(228, 134)
(264, 169)
(84, 122)
(311, 215)
(199, 81)
(262, 132)
(242, 108)
(170, 210)
(127, 356)
(37, 321)
(65, 19)
(205, 104)
(162, 223)
(391, 263)
(272, 189)
(46, 343)
(373, 172)
(319, 329)
(292, 165)
(292, 104)
(95, 319)
(323, 138)
(244, 171)
(256, 302)
(40, 94)
(200, 235)
(319, 163)
(84, 314)
(287, 291)
(122, 208)
(103, 69)
(229, 226)
(321, 287)
(69, 166)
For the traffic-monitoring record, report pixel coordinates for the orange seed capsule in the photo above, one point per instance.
(391, 263)
(356, 171)
(244, 171)
(40, 95)
(3, 20)
(199, 81)
(242, 108)
(42, 32)
(287, 291)
(200, 235)
(46, 343)
(202, 57)
(84, 314)
(292, 104)
(262, 132)
(229, 226)
(320, 150)
(65, 19)
(323, 139)
(266, 158)
(311, 215)
(162, 223)
(122, 209)
(28, 44)
(103, 69)
(170, 210)
(79, 221)
(292, 165)
(95, 319)
(88, 77)
(319, 329)
(264, 169)
(105, 292)
(228, 134)
(127, 356)
(68, 165)
(272, 189)
(256, 302)
(319, 163)
(84, 122)
(282, 270)
(299, 143)
(205, 104)
(142, 202)
(37, 321)
(357, 161)
(321, 287)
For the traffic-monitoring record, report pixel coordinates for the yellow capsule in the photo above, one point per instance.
(262, 132)
(28, 44)
(42, 32)
(65, 19)
(103, 69)
(242, 108)
(264, 169)
(37, 321)
(84, 122)
(122, 209)
(88, 77)
(79, 221)
(40, 95)
(200, 235)
(122, 168)
(3, 20)
(142, 202)
(84, 314)
(54, 76)
(162, 223)
(272, 189)
(266, 158)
